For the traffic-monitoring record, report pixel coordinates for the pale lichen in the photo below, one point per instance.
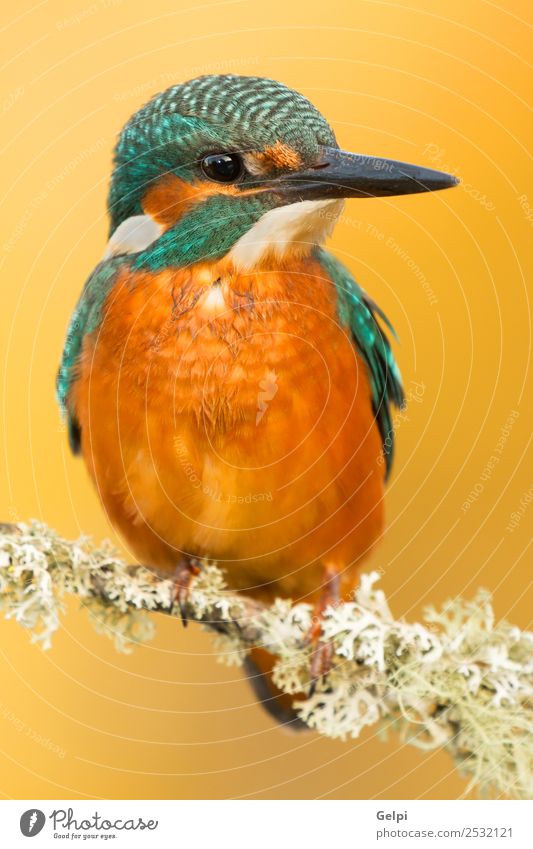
(461, 681)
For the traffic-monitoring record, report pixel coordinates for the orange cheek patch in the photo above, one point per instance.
(279, 155)
(170, 198)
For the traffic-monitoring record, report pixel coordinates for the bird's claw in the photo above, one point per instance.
(321, 663)
(185, 570)
(321, 655)
(323, 650)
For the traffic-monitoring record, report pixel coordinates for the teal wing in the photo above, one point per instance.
(85, 319)
(362, 316)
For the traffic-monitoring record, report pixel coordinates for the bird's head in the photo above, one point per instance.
(232, 163)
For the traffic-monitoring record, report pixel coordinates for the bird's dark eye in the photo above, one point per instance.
(222, 167)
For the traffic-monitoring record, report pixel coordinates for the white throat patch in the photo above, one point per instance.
(296, 227)
(133, 235)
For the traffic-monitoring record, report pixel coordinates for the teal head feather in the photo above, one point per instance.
(240, 118)
(174, 131)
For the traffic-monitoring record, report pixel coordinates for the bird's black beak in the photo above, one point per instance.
(353, 175)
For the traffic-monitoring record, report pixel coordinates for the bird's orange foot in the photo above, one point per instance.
(322, 650)
(321, 662)
(185, 570)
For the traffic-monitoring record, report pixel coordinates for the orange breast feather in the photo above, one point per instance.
(229, 416)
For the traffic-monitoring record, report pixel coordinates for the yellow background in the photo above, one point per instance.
(442, 84)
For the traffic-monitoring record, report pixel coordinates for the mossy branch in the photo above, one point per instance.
(461, 680)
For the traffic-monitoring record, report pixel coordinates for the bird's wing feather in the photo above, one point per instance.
(84, 320)
(360, 314)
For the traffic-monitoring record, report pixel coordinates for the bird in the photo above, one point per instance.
(229, 384)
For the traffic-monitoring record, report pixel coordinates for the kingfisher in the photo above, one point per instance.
(228, 383)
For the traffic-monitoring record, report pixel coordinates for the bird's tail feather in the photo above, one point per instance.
(258, 667)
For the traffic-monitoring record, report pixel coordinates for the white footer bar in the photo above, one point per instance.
(275, 824)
